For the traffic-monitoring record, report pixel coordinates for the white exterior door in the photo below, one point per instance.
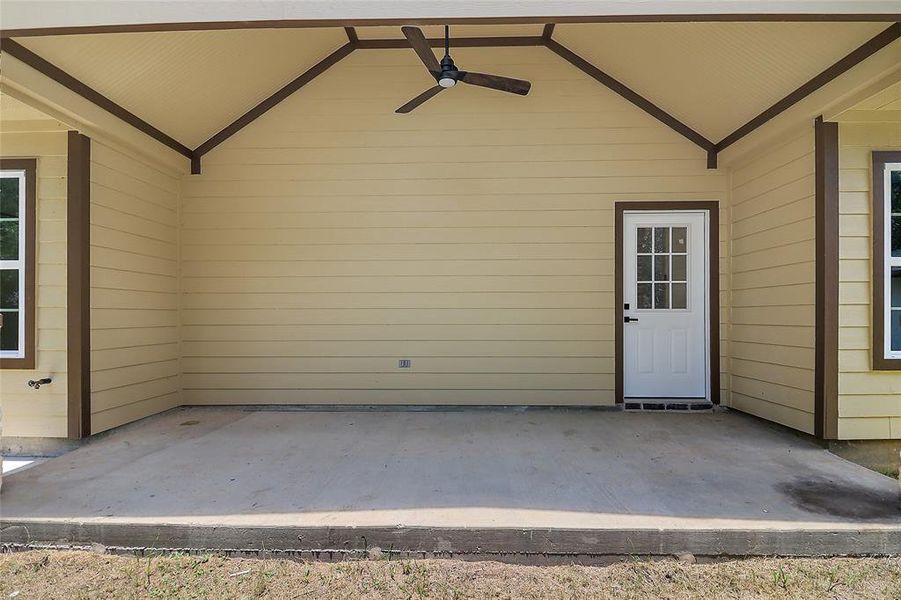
(665, 305)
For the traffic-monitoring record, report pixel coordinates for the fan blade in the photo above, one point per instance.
(496, 82)
(420, 44)
(419, 99)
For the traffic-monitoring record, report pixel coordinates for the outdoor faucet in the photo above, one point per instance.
(37, 384)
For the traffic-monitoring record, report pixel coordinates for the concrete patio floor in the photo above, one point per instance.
(568, 481)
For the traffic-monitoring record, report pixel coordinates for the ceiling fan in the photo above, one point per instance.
(447, 74)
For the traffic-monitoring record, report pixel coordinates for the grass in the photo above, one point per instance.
(69, 574)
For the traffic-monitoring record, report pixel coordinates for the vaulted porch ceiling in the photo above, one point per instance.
(713, 77)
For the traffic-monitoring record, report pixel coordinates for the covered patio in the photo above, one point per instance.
(520, 483)
(291, 292)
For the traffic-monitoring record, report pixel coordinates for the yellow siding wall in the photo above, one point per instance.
(474, 236)
(773, 279)
(134, 288)
(869, 401)
(29, 412)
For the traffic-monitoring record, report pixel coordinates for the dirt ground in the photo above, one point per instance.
(58, 574)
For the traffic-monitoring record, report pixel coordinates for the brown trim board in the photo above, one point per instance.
(78, 311)
(827, 304)
(713, 208)
(351, 35)
(463, 42)
(47, 68)
(29, 165)
(880, 363)
(523, 20)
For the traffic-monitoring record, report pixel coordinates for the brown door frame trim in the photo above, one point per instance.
(78, 280)
(712, 207)
(880, 363)
(827, 256)
(29, 165)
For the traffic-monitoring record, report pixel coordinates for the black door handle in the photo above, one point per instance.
(630, 320)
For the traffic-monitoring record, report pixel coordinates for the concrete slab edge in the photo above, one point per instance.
(487, 543)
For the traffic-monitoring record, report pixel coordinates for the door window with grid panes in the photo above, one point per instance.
(662, 268)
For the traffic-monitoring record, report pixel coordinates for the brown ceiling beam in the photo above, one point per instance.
(310, 23)
(267, 104)
(466, 42)
(630, 95)
(47, 68)
(868, 49)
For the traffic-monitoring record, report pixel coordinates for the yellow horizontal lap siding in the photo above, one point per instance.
(27, 412)
(869, 401)
(772, 328)
(474, 236)
(134, 289)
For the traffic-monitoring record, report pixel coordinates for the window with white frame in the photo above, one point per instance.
(891, 270)
(13, 273)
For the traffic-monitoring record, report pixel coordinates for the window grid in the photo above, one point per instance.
(12, 266)
(893, 260)
(662, 268)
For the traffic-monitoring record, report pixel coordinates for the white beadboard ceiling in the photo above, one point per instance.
(189, 84)
(712, 76)
(14, 110)
(887, 99)
(715, 76)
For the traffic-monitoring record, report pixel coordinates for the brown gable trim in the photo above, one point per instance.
(29, 165)
(880, 363)
(869, 48)
(827, 304)
(464, 42)
(78, 311)
(34, 61)
(713, 208)
(309, 23)
(351, 35)
(264, 106)
(548, 31)
(630, 95)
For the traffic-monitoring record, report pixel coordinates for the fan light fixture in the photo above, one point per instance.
(447, 74)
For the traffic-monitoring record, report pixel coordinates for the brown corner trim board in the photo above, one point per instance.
(887, 36)
(713, 209)
(29, 165)
(826, 288)
(78, 311)
(880, 363)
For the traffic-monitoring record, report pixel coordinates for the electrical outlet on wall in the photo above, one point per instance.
(404, 363)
